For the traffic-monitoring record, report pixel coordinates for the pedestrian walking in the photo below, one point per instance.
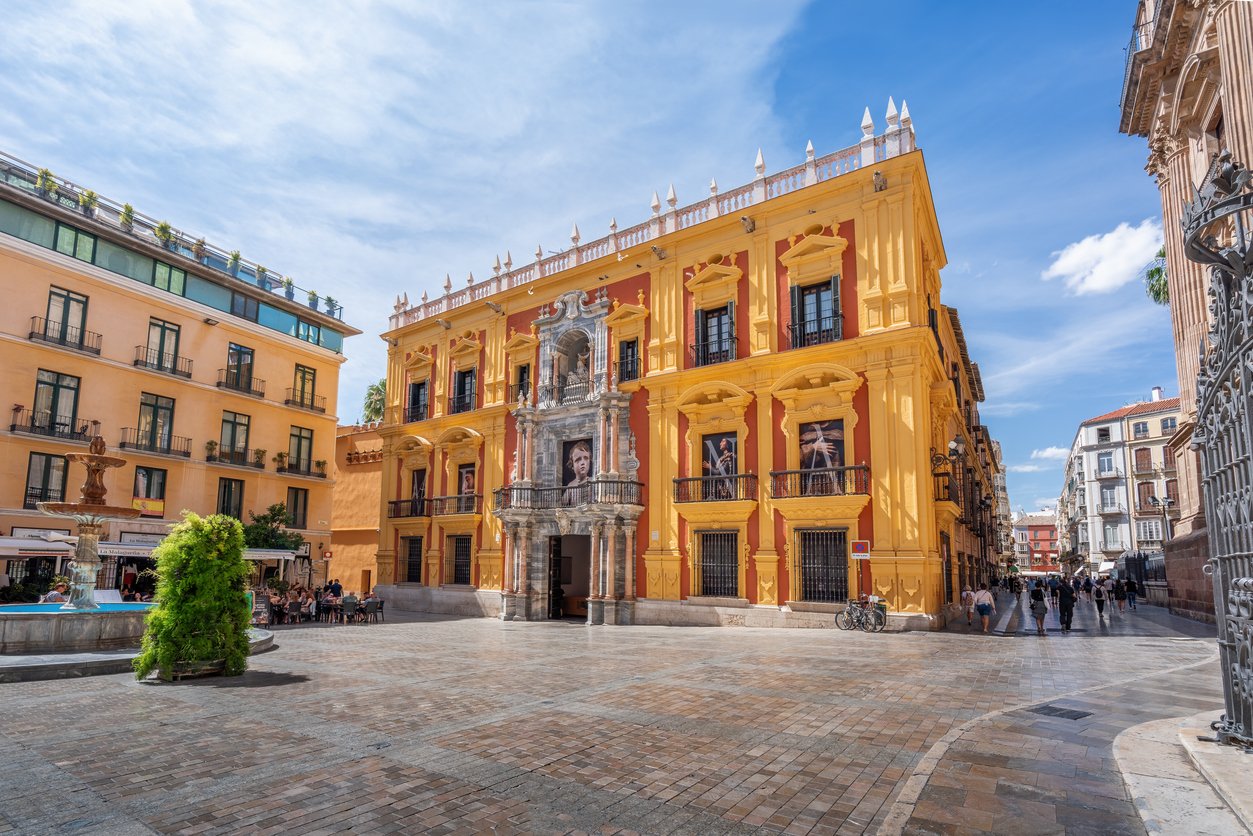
(1054, 583)
(1133, 589)
(985, 605)
(1098, 595)
(1120, 595)
(1039, 609)
(1065, 606)
(1087, 587)
(1076, 585)
(968, 604)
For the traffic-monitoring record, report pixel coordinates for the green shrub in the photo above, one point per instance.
(202, 612)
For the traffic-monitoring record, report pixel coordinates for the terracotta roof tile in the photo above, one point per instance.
(1144, 408)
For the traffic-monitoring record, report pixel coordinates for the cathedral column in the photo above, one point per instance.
(629, 592)
(1234, 22)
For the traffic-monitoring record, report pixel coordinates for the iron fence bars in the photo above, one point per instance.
(823, 481)
(824, 564)
(815, 331)
(162, 361)
(716, 488)
(462, 547)
(1218, 233)
(305, 400)
(240, 381)
(540, 498)
(465, 503)
(719, 563)
(63, 334)
(155, 441)
(45, 422)
(399, 508)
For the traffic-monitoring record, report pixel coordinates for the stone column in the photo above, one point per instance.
(1234, 22)
(629, 591)
(611, 575)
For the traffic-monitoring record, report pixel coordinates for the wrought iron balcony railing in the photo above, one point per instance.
(827, 481)
(66, 336)
(416, 412)
(716, 488)
(1109, 473)
(608, 492)
(414, 507)
(42, 494)
(826, 329)
(1112, 545)
(305, 400)
(238, 381)
(164, 445)
(443, 506)
(1111, 508)
(241, 457)
(53, 426)
(460, 403)
(161, 361)
(627, 370)
(714, 351)
(946, 488)
(301, 468)
(517, 390)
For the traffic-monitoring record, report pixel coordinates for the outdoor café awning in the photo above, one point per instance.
(1106, 566)
(21, 547)
(270, 554)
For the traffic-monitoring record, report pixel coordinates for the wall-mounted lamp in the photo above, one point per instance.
(208, 320)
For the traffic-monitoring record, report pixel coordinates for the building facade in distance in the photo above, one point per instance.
(358, 478)
(199, 369)
(1035, 543)
(742, 411)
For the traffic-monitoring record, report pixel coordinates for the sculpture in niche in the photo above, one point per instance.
(579, 373)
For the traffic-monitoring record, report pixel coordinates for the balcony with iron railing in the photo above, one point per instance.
(518, 390)
(66, 336)
(34, 496)
(238, 381)
(302, 467)
(1111, 508)
(714, 351)
(445, 506)
(154, 442)
(161, 361)
(1140, 468)
(402, 508)
(736, 486)
(51, 426)
(826, 481)
(627, 370)
(1110, 473)
(1113, 545)
(1141, 39)
(416, 412)
(827, 329)
(304, 399)
(458, 404)
(946, 487)
(239, 457)
(601, 491)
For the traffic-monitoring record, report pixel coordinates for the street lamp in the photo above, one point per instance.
(1163, 504)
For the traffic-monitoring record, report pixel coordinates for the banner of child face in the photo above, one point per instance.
(576, 457)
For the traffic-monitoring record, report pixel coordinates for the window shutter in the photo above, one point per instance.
(729, 334)
(836, 323)
(795, 324)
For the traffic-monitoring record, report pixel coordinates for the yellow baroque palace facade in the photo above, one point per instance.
(742, 411)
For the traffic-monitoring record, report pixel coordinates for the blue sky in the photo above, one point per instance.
(367, 149)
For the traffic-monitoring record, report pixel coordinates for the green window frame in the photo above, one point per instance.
(308, 331)
(297, 507)
(231, 497)
(56, 402)
(168, 277)
(75, 243)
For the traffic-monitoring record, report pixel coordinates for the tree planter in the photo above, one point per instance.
(290, 294)
(195, 670)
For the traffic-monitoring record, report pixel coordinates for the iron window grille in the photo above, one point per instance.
(824, 565)
(719, 563)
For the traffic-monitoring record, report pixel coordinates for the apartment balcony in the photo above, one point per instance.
(715, 351)
(827, 481)
(716, 488)
(159, 361)
(66, 336)
(826, 329)
(161, 445)
(1140, 468)
(445, 506)
(404, 508)
(461, 403)
(1113, 546)
(305, 400)
(1112, 508)
(595, 492)
(50, 426)
(302, 468)
(627, 370)
(1154, 543)
(418, 412)
(1110, 473)
(519, 390)
(236, 381)
(34, 496)
(242, 457)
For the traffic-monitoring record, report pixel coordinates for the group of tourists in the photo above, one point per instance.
(1061, 593)
(323, 603)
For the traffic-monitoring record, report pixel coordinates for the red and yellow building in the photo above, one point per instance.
(694, 420)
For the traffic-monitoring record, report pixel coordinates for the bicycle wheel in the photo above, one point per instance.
(878, 620)
(867, 621)
(844, 620)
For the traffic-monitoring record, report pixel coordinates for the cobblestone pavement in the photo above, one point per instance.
(480, 726)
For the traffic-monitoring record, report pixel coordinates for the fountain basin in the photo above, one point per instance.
(46, 628)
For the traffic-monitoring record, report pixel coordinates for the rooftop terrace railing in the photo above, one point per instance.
(898, 139)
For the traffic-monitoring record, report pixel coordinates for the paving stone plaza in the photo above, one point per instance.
(474, 725)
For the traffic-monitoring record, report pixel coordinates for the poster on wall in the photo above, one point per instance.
(576, 457)
(821, 451)
(719, 459)
(465, 489)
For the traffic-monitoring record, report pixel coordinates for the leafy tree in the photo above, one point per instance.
(375, 398)
(268, 530)
(1155, 279)
(202, 610)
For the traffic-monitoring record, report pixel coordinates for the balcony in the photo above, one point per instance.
(49, 425)
(609, 492)
(305, 400)
(519, 390)
(1142, 467)
(444, 506)
(716, 488)
(66, 336)
(42, 494)
(827, 481)
(827, 329)
(627, 370)
(416, 412)
(715, 351)
(1110, 473)
(401, 508)
(1112, 508)
(460, 403)
(158, 361)
(148, 442)
(237, 381)
(572, 389)
(302, 468)
(946, 488)
(242, 457)
(1113, 545)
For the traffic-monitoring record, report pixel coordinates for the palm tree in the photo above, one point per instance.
(1155, 279)
(375, 398)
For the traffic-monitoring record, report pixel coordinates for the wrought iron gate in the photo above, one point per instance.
(1217, 229)
(719, 563)
(824, 564)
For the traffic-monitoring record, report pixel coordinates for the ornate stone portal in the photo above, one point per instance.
(576, 473)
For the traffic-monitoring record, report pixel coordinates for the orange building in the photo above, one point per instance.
(358, 475)
(200, 369)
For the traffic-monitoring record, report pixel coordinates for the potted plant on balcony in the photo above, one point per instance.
(210, 451)
(46, 184)
(280, 459)
(127, 218)
(289, 289)
(198, 250)
(258, 457)
(165, 234)
(232, 264)
(320, 464)
(313, 299)
(88, 201)
(261, 281)
(331, 305)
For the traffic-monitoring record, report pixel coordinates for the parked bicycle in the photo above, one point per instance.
(864, 613)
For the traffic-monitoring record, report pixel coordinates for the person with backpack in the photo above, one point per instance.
(968, 604)
(1039, 609)
(1098, 595)
(1065, 606)
(1087, 586)
(1133, 589)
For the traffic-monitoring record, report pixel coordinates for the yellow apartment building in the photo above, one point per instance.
(200, 369)
(741, 411)
(358, 475)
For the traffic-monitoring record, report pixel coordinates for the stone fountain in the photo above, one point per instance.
(91, 512)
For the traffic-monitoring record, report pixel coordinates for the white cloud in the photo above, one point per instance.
(1026, 468)
(1051, 453)
(1103, 263)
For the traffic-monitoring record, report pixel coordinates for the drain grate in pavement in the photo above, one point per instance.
(1056, 711)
